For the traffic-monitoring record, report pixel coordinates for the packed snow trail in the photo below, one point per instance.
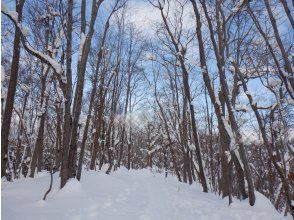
(123, 195)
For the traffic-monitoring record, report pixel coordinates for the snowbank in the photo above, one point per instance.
(125, 195)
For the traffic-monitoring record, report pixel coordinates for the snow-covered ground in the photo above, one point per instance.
(132, 195)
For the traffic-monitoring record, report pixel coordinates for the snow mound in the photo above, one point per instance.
(262, 202)
(73, 186)
(125, 195)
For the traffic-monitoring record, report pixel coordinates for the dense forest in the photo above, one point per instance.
(199, 89)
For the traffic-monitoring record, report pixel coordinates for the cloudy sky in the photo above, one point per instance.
(144, 16)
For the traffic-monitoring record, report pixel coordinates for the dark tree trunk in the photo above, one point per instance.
(5, 128)
(68, 87)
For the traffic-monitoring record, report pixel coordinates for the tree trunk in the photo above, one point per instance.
(68, 87)
(11, 91)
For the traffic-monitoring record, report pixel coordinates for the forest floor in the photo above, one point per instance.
(123, 195)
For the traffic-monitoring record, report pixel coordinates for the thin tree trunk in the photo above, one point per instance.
(187, 93)
(82, 62)
(92, 97)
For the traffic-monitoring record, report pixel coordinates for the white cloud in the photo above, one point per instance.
(143, 15)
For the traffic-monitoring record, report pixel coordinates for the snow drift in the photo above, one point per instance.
(125, 195)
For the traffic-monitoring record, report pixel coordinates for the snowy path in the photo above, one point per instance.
(123, 195)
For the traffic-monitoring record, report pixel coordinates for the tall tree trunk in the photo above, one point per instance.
(38, 150)
(19, 144)
(191, 107)
(101, 100)
(267, 143)
(92, 98)
(5, 128)
(170, 143)
(85, 45)
(288, 12)
(126, 106)
(68, 89)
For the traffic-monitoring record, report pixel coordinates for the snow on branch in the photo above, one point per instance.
(81, 48)
(13, 16)
(237, 8)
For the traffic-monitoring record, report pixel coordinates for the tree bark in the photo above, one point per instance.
(68, 89)
(5, 128)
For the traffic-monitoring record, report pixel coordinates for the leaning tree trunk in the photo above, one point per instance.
(285, 181)
(92, 97)
(82, 62)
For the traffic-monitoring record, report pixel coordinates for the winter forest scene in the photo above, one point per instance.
(147, 109)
